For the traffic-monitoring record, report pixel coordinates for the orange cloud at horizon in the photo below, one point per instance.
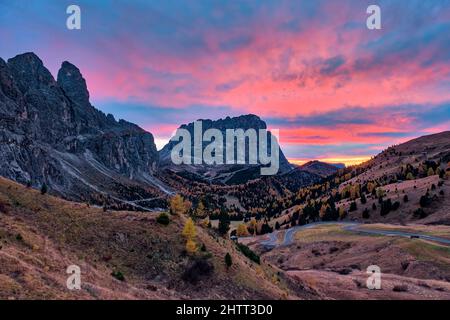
(350, 161)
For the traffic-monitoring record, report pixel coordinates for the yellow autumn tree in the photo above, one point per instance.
(409, 176)
(323, 210)
(178, 205)
(371, 186)
(191, 247)
(354, 191)
(200, 210)
(342, 212)
(253, 225)
(189, 231)
(242, 231)
(380, 192)
(205, 222)
(430, 172)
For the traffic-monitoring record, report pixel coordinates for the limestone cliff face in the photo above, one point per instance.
(229, 174)
(50, 133)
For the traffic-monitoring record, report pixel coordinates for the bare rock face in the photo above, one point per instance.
(228, 174)
(50, 133)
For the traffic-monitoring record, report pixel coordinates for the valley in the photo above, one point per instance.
(333, 259)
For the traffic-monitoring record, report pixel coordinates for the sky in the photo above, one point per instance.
(336, 90)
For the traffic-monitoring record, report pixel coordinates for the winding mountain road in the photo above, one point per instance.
(289, 234)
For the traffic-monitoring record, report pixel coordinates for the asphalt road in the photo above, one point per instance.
(288, 239)
(394, 233)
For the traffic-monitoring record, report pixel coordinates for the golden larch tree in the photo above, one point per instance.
(179, 206)
(191, 247)
(189, 231)
(242, 231)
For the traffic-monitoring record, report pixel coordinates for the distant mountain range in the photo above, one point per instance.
(51, 134)
(322, 169)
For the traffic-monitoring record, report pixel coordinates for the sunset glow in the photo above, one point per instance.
(347, 161)
(336, 90)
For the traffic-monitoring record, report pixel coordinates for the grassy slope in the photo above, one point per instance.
(321, 254)
(413, 152)
(41, 235)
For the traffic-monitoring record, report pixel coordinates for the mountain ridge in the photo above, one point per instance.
(55, 136)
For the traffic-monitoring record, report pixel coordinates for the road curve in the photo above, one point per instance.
(272, 242)
(395, 233)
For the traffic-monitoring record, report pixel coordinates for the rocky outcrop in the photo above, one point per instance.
(50, 133)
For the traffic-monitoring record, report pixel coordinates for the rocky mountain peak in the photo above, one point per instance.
(224, 173)
(72, 82)
(29, 72)
(7, 85)
(49, 132)
(243, 121)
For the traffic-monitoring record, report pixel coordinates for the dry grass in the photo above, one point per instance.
(329, 232)
(42, 235)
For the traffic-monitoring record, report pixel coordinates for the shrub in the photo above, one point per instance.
(386, 207)
(224, 223)
(419, 213)
(44, 188)
(19, 237)
(425, 200)
(265, 228)
(405, 198)
(248, 253)
(163, 219)
(118, 275)
(363, 198)
(366, 214)
(228, 260)
(197, 269)
(3, 208)
(400, 288)
(396, 205)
